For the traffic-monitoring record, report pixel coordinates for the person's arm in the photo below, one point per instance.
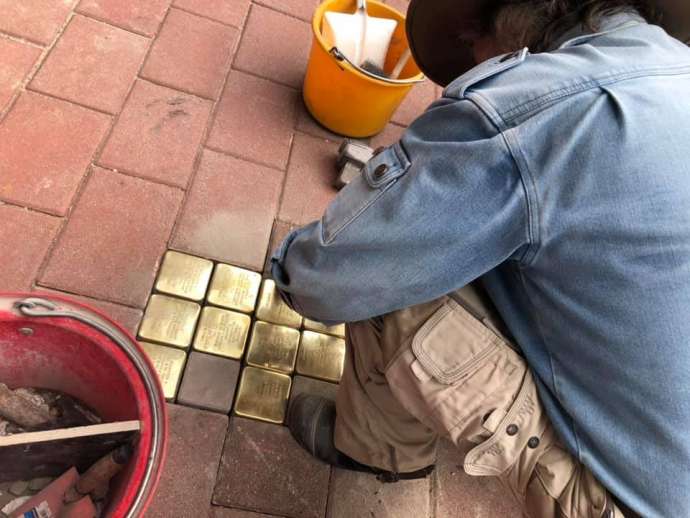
(428, 215)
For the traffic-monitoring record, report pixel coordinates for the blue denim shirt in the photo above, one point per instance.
(562, 178)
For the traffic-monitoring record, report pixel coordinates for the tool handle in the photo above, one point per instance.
(361, 13)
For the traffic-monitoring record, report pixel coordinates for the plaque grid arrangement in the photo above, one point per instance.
(233, 315)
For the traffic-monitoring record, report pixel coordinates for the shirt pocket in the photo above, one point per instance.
(378, 175)
(452, 344)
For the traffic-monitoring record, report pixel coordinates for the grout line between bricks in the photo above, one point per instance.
(70, 101)
(12, 36)
(97, 18)
(244, 159)
(179, 89)
(38, 210)
(206, 17)
(138, 176)
(273, 80)
(110, 24)
(246, 510)
(39, 286)
(241, 38)
(331, 485)
(21, 39)
(284, 182)
(278, 10)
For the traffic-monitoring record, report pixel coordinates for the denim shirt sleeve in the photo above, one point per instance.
(428, 215)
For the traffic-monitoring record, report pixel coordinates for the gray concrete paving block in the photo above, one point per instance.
(263, 469)
(458, 494)
(194, 447)
(209, 382)
(302, 384)
(360, 494)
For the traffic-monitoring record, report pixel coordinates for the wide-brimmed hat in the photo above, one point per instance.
(440, 32)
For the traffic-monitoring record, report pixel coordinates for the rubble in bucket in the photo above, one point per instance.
(47, 438)
(364, 40)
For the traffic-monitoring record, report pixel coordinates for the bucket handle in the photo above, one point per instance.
(339, 56)
(39, 308)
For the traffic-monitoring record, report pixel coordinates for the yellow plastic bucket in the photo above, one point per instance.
(346, 99)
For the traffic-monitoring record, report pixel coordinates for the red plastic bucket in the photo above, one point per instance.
(54, 343)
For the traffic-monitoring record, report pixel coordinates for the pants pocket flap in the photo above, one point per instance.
(452, 342)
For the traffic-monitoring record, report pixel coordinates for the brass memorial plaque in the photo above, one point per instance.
(321, 356)
(222, 332)
(184, 276)
(312, 325)
(169, 321)
(169, 363)
(234, 288)
(263, 395)
(272, 308)
(273, 347)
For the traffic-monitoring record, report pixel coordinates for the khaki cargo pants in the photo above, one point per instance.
(445, 368)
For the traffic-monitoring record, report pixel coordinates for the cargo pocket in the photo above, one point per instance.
(455, 373)
(452, 343)
(378, 175)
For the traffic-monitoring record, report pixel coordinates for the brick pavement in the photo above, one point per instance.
(129, 127)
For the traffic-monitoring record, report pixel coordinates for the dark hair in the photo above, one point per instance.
(538, 23)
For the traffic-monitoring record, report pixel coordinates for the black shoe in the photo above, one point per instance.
(311, 420)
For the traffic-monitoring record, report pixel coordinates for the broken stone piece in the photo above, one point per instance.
(37, 484)
(15, 504)
(19, 488)
(22, 410)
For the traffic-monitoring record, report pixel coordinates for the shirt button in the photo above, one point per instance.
(512, 429)
(533, 442)
(380, 171)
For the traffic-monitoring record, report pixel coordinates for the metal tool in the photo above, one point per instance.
(352, 157)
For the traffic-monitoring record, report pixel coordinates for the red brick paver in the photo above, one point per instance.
(158, 134)
(308, 187)
(275, 46)
(231, 12)
(25, 236)
(418, 100)
(303, 9)
(458, 494)
(263, 469)
(45, 147)
(92, 64)
(17, 59)
(307, 124)
(390, 135)
(135, 15)
(35, 20)
(230, 210)
(360, 494)
(191, 53)
(194, 446)
(260, 127)
(114, 239)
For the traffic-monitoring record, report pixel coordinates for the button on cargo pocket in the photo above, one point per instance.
(378, 175)
(452, 343)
